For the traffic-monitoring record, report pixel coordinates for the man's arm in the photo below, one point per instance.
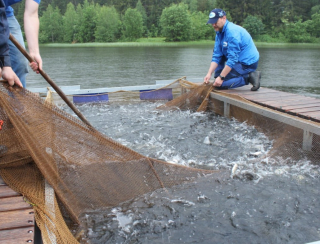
(5, 65)
(31, 28)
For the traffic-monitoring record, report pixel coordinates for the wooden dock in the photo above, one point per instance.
(16, 217)
(292, 109)
(294, 104)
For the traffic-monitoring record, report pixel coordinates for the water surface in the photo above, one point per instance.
(289, 69)
(253, 199)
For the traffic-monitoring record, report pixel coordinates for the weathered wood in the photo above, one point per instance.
(305, 105)
(306, 110)
(16, 219)
(6, 191)
(312, 114)
(16, 236)
(267, 97)
(13, 203)
(294, 104)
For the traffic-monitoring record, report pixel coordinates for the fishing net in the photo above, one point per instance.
(41, 147)
(40, 144)
(294, 137)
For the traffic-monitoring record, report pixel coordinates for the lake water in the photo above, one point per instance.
(274, 201)
(289, 69)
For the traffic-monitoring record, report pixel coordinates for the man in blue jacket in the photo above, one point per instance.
(31, 27)
(235, 57)
(6, 71)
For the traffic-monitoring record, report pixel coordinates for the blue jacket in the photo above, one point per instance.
(236, 44)
(4, 36)
(9, 9)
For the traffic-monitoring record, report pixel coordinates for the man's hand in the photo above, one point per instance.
(218, 82)
(206, 79)
(37, 65)
(11, 77)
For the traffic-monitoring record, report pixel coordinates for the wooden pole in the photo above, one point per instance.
(51, 82)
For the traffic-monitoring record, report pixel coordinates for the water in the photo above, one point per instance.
(294, 70)
(253, 199)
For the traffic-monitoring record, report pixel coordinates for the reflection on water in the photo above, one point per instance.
(253, 199)
(292, 68)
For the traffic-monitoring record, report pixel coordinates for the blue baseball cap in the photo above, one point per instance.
(215, 14)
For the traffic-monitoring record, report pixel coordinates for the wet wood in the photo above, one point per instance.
(15, 236)
(6, 191)
(294, 104)
(13, 203)
(16, 217)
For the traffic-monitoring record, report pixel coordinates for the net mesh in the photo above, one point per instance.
(88, 171)
(41, 145)
(294, 138)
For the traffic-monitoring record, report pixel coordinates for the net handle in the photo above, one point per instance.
(51, 82)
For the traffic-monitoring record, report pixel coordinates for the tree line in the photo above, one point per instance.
(176, 20)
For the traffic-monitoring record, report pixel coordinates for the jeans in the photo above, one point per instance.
(19, 63)
(238, 76)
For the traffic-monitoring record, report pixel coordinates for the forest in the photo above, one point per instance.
(82, 21)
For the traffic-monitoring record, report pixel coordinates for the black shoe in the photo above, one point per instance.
(254, 79)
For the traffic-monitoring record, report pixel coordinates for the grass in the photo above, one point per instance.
(143, 42)
(158, 41)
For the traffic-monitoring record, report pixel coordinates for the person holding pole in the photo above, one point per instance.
(31, 27)
(6, 71)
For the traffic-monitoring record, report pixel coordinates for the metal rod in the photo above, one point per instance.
(51, 82)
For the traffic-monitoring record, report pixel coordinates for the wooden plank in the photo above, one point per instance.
(305, 110)
(268, 97)
(305, 105)
(282, 103)
(16, 236)
(6, 191)
(272, 98)
(291, 99)
(13, 203)
(16, 219)
(247, 89)
(312, 114)
(281, 117)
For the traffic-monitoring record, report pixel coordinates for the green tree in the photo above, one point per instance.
(87, 22)
(199, 29)
(70, 24)
(313, 25)
(51, 25)
(175, 22)
(253, 25)
(133, 24)
(297, 32)
(143, 13)
(315, 9)
(108, 21)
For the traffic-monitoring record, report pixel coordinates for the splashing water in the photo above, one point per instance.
(255, 199)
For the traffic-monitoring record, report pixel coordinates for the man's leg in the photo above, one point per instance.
(238, 76)
(18, 61)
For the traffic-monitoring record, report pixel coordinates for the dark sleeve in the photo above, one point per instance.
(4, 36)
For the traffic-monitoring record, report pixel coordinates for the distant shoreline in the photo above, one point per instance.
(159, 42)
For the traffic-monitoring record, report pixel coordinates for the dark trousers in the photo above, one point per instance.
(238, 75)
